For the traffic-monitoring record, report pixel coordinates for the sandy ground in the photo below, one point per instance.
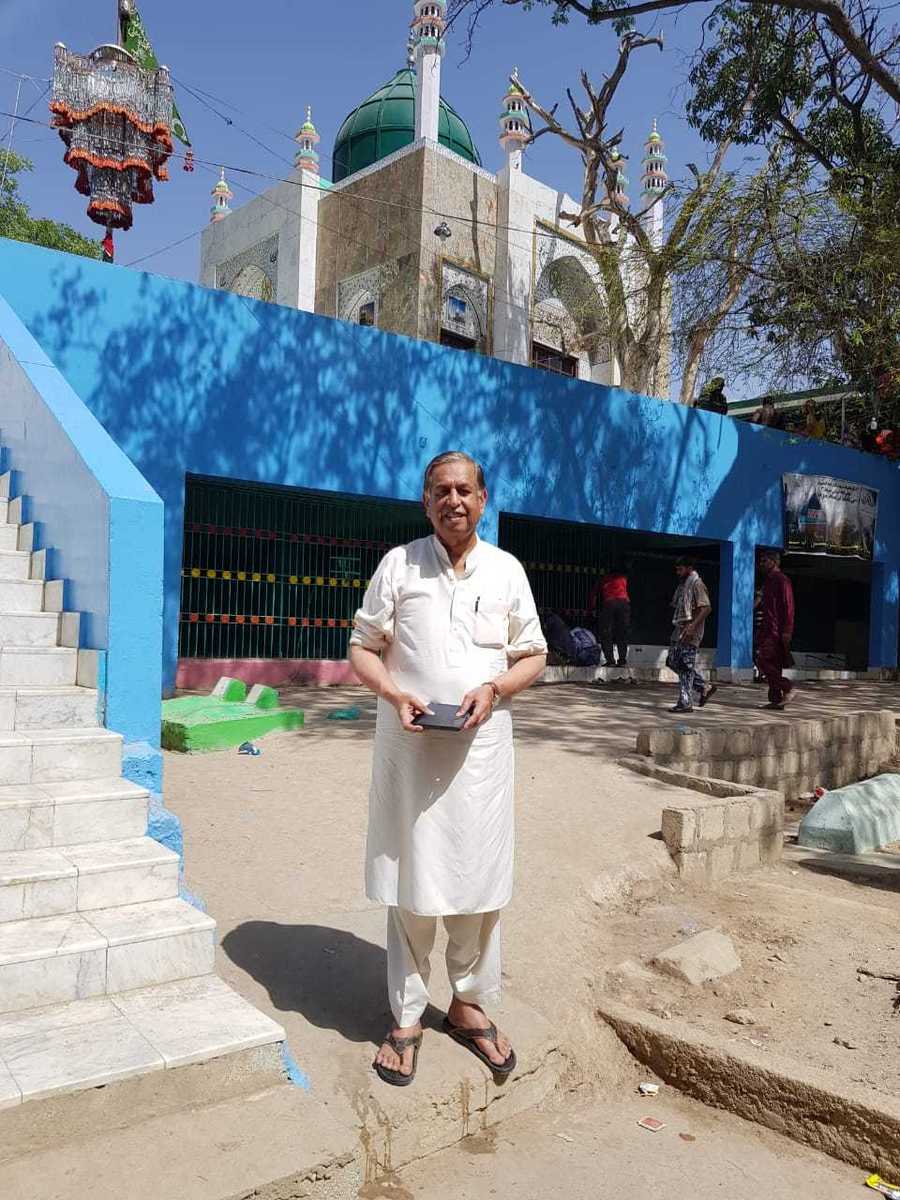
(275, 847)
(801, 935)
(597, 1151)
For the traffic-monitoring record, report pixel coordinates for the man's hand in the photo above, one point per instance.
(479, 703)
(408, 708)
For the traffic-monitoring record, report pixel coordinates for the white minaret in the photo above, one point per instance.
(515, 124)
(654, 181)
(428, 28)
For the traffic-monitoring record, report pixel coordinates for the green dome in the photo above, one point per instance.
(387, 122)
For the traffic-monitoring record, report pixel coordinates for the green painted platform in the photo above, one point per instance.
(225, 718)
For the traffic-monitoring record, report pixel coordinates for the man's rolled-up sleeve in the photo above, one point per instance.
(373, 624)
(525, 634)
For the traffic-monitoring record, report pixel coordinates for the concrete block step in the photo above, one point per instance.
(15, 564)
(50, 882)
(21, 595)
(54, 666)
(28, 629)
(57, 756)
(9, 536)
(48, 707)
(72, 813)
(57, 1050)
(4, 511)
(55, 960)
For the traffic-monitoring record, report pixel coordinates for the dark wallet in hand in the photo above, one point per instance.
(444, 717)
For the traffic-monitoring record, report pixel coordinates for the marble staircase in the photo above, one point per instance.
(106, 974)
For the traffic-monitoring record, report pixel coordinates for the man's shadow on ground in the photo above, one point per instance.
(334, 978)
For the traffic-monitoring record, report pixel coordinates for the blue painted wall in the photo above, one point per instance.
(187, 379)
(104, 525)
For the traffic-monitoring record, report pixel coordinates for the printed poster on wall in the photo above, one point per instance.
(829, 516)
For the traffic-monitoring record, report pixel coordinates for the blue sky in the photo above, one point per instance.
(272, 58)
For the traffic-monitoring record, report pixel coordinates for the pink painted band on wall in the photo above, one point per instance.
(202, 674)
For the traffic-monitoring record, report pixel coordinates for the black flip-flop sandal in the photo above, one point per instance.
(468, 1037)
(708, 694)
(398, 1045)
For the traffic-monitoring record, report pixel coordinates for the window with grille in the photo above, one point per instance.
(548, 359)
(275, 572)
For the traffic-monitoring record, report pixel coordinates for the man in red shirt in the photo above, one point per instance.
(776, 631)
(615, 615)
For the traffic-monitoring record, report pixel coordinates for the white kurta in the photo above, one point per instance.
(441, 803)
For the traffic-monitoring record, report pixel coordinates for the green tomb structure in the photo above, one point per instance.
(228, 716)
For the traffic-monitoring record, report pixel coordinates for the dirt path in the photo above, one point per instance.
(596, 1151)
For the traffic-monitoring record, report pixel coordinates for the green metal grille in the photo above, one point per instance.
(563, 560)
(272, 572)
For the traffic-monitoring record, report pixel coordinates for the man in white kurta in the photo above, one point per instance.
(447, 619)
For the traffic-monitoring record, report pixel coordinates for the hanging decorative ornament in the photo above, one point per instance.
(115, 118)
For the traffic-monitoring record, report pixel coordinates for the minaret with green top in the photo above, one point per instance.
(515, 123)
(221, 194)
(654, 183)
(307, 138)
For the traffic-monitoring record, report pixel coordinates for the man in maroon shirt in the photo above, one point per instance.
(777, 630)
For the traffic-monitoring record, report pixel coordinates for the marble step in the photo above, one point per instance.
(50, 882)
(50, 666)
(15, 564)
(33, 815)
(55, 960)
(29, 629)
(93, 1043)
(21, 595)
(48, 707)
(57, 755)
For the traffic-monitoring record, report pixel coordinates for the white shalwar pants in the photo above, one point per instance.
(473, 960)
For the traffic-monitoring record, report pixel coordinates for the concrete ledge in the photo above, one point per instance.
(792, 756)
(735, 828)
(839, 1118)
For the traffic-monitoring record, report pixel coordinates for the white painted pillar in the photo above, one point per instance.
(428, 91)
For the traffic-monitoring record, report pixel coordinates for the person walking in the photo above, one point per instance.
(691, 607)
(615, 616)
(447, 619)
(776, 630)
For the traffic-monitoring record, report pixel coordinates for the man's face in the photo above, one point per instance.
(767, 565)
(682, 571)
(454, 503)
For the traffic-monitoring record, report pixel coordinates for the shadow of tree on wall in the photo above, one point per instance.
(192, 380)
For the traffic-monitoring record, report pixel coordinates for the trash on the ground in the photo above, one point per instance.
(755, 1042)
(344, 714)
(249, 748)
(741, 1016)
(687, 1137)
(819, 792)
(887, 1189)
(648, 1089)
(652, 1124)
(690, 927)
(564, 1137)
(847, 1045)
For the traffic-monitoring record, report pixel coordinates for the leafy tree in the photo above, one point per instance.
(711, 236)
(855, 27)
(17, 223)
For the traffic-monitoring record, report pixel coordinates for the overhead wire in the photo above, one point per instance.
(329, 189)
